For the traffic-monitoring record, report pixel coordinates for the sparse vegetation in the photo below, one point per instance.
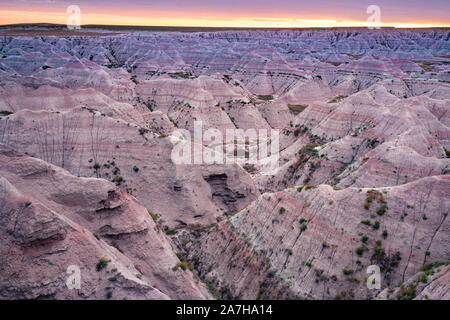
(133, 78)
(447, 153)
(102, 264)
(426, 66)
(372, 195)
(212, 289)
(366, 222)
(118, 180)
(382, 210)
(407, 293)
(309, 263)
(348, 272)
(249, 168)
(153, 215)
(309, 149)
(337, 98)
(169, 232)
(181, 264)
(359, 251)
(423, 278)
(297, 108)
(266, 97)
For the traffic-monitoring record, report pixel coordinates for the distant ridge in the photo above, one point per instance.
(44, 25)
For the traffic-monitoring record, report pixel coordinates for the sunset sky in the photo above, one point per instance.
(230, 13)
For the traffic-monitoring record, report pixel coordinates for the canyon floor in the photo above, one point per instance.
(87, 178)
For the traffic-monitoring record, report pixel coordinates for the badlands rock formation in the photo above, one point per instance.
(52, 220)
(87, 176)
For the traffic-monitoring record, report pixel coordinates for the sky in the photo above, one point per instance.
(230, 13)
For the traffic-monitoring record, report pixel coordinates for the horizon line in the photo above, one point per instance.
(370, 27)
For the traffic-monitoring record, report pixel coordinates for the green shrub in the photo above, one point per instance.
(337, 98)
(359, 251)
(249, 169)
(153, 215)
(297, 108)
(382, 210)
(135, 169)
(426, 267)
(423, 278)
(282, 210)
(171, 232)
(266, 97)
(180, 256)
(366, 222)
(102, 263)
(181, 264)
(376, 225)
(348, 272)
(212, 289)
(407, 293)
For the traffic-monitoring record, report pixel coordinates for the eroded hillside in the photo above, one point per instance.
(86, 125)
